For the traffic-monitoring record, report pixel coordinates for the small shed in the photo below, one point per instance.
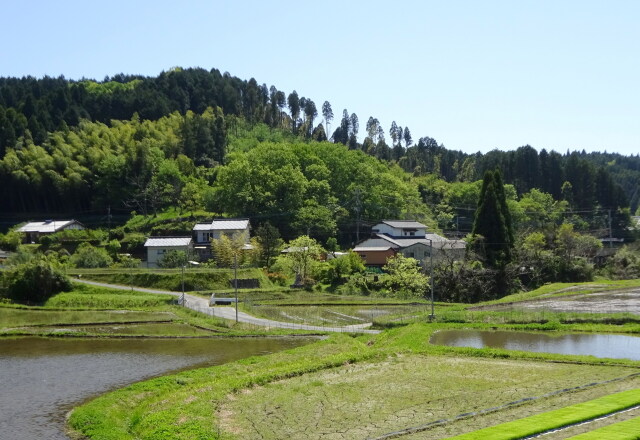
(375, 255)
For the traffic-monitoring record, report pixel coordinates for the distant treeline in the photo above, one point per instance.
(41, 121)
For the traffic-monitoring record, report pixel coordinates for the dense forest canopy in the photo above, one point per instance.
(196, 138)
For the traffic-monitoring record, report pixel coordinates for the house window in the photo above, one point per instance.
(411, 255)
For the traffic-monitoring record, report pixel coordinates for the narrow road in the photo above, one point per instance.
(202, 305)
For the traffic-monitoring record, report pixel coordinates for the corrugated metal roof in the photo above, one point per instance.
(403, 224)
(46, 226)
(223, 225)
(167, 242)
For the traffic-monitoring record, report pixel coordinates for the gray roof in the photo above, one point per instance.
(223, 225)
(47, 226)
(436, 240)
(404, 224)
(167, 242)
(372, 248)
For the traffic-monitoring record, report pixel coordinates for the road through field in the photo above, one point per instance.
(201, 305)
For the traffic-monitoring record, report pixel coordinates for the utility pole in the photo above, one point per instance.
(433, 313)
(235, 281)
(109, 220)
(610, 232)
(358, 210)
(182, 285)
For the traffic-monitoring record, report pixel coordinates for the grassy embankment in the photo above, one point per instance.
(358, 386)
(195, 279)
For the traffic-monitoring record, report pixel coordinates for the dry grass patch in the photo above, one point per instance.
(369, 399)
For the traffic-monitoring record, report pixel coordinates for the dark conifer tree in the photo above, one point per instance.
(492, 222)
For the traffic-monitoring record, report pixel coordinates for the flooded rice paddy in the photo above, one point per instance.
(43, 378)
(598, 345)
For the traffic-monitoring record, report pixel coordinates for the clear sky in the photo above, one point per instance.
(474, 75)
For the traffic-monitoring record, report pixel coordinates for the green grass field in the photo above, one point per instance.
(559, 418)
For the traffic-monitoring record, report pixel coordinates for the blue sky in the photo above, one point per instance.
(474, 75)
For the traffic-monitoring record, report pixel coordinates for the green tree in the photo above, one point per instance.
(327, 113)
(89, 256)
(294, 107)
(173, 258)
(304, 252)
(404, 278)
(36, 280)
(229, 250)
(270, 242)
(493, 222)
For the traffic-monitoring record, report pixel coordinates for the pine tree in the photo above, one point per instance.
(493, 222)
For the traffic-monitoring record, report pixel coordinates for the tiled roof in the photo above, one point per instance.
(47, 226)
(436, 240)
(402, 224)
(167, 241)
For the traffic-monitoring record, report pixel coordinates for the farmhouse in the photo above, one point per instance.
(34, 230)
(406, 237)
(204, 233)
(157, 247)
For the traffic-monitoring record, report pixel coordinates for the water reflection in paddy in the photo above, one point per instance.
(41, 379)
(598, 345)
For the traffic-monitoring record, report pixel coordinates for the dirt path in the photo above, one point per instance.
(201, 305)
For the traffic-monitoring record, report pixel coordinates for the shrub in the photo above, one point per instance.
(173, 258)
(10, 241)
(88, 256)
(36, 281)
(277, 278)
(127, 261)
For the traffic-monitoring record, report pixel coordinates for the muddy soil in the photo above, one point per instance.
(623, 301)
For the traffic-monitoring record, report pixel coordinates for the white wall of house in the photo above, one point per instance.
(155, 254)
(205, 236)
(383, 228)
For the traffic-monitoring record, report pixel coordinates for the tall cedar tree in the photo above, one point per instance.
(493, 221)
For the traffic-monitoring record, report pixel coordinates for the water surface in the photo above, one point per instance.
(41, 379)
(598, 345)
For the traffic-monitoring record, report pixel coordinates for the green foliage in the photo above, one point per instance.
(404, 278)
(336, 270)
(127, 261)
(268, 238)
(302, 188)
(88, 256)
(35, 281)
(10, 241)
(302, 258)
(230, 250)
(173, 259)
(493, 222)
(623, 265)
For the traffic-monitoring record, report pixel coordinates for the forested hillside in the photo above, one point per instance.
(194, 138)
